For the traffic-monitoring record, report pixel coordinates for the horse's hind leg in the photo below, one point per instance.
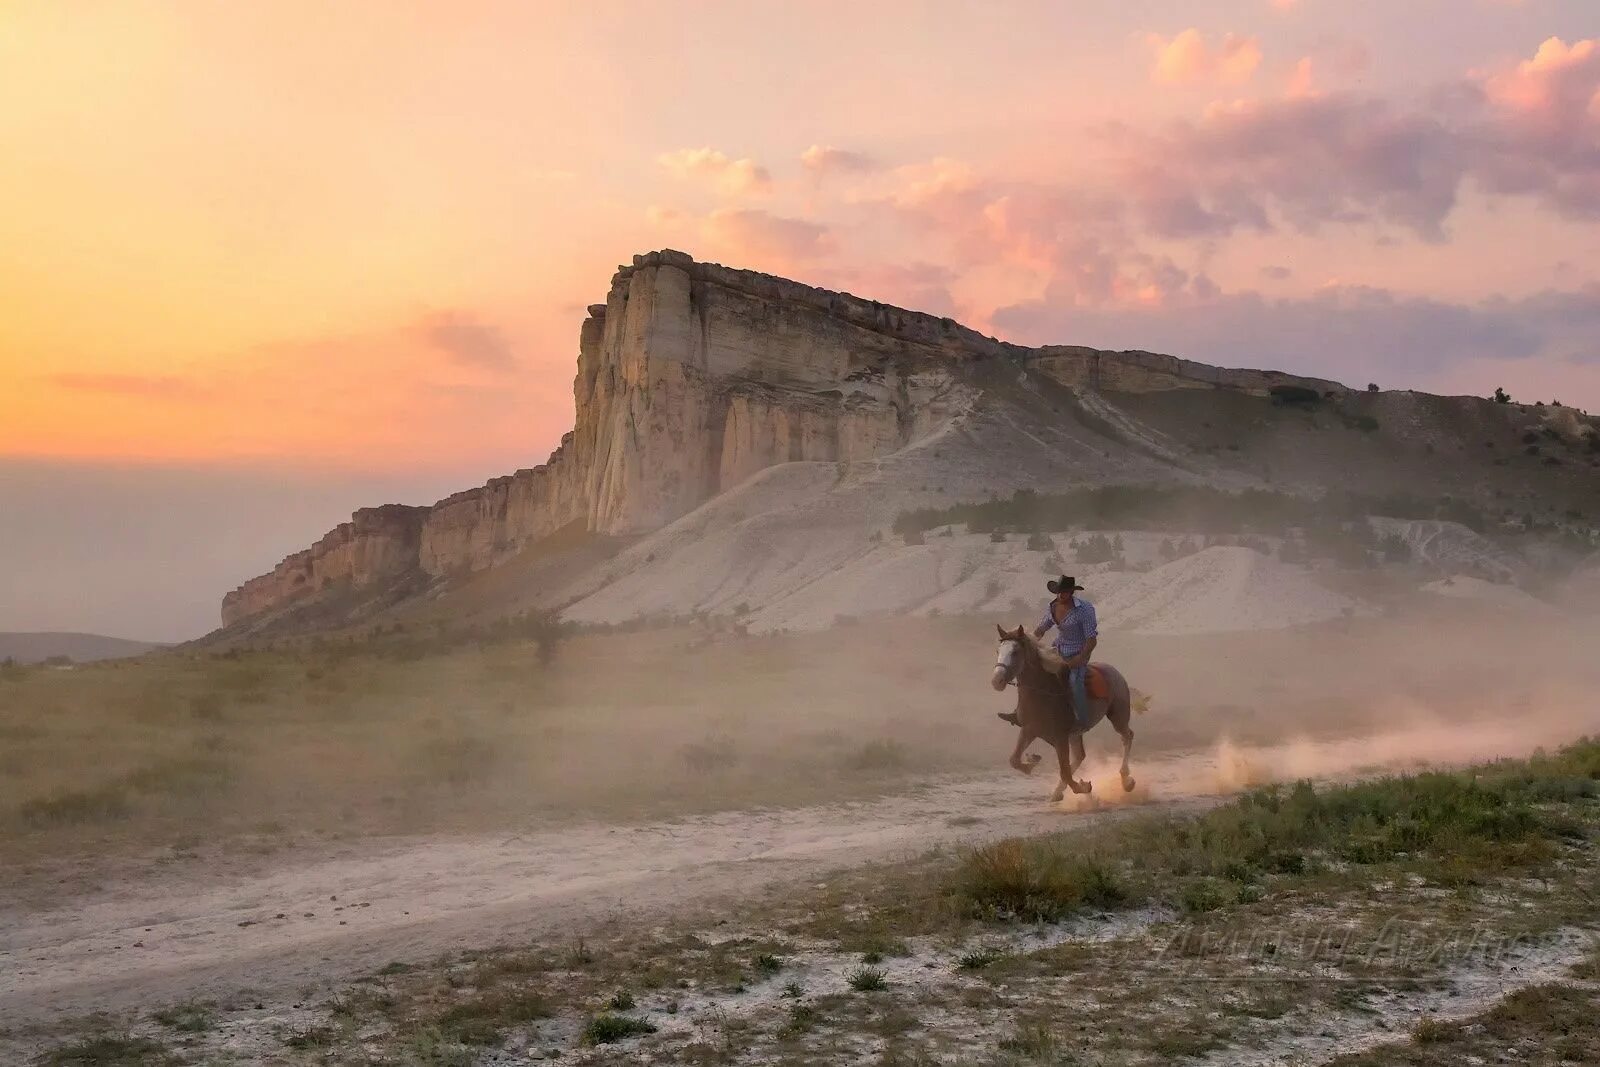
(1120, 723)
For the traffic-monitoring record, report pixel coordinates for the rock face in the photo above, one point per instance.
(692, 377)
(375, 545)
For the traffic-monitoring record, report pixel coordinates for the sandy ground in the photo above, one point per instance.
(299, 923)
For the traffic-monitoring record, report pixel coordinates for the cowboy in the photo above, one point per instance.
(1076, 635)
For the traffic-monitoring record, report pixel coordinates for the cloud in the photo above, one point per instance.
(755, 235)
(1276, 273)
(150, 387)
(825, 159)
(1302, 80)
(1189, 59)
(730, 177)
(1364, 332)
(1306, 162)
(1542, 134)
(466, 340)
(1301, 163)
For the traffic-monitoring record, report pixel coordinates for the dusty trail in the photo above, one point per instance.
(305, 923)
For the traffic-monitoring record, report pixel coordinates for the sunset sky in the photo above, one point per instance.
(264, 262)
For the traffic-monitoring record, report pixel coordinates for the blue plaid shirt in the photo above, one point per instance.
(1074, 629)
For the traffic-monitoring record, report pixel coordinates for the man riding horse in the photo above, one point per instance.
(1056, 701)
(1077, 633)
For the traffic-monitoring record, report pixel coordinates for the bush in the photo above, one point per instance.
(1035, 881)
(608, 1027)
(868, 980)
(1039, 541)
(1297, 395)
(1097, 548)
(1186, 508)
(977, 959)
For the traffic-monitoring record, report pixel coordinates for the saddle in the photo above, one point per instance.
(1095, 682)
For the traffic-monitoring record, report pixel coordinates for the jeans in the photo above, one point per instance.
(1080, 694)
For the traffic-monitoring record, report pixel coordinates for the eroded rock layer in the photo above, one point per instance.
(691, 378)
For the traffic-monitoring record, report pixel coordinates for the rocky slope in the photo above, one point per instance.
(748, 434)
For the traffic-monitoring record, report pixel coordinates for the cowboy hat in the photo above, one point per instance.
(1064, 583)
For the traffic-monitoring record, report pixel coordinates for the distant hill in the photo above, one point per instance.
(80, 648)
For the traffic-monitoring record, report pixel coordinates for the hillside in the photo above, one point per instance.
(742, 441)
(80, 648)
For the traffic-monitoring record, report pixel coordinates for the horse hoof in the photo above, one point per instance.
(1082, 787)
(1127, 785)
(1055, 798)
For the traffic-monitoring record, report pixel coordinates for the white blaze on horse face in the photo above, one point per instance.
(1004, 665)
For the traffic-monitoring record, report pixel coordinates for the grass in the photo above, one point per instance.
(608, 1027)
(868, 979)
(768, 964)
(191, 1018)
(802, 1017)
(1033, 881)
(312, 1037)
(1457, 828)
(107, 1050)
(977, 959)
(485, 1018)
(311, 735)
(1545, 1024)
(1035, 1040)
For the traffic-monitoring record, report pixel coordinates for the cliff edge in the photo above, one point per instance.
(691, 378)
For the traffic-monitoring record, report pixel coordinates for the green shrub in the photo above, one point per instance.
(608, 1027)
(868, 980)
(1033, 880)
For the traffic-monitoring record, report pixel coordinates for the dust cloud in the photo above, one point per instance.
(411, 735)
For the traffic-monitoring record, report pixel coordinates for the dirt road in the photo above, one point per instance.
(292, 925)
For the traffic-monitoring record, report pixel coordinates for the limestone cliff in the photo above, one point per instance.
(691, 378)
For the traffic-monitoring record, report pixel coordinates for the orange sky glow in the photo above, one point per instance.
(361, 235)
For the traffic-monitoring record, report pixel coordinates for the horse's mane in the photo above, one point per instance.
(1050, 659)
(1046, 657)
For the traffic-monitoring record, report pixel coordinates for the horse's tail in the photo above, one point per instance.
(1124, 695)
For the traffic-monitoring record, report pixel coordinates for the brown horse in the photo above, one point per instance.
(1044, 708)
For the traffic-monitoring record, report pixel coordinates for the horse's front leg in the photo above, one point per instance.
(1070, 756)
(1026, 766)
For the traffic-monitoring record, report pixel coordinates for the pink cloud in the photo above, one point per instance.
(1543, 130)
(749, 235)
(731, 177)
(1302, 81)
(1189, 59)
(826, 159)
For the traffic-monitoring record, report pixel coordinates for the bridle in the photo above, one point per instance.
(1010, 669)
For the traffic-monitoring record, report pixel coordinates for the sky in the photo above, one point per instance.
(265, 262)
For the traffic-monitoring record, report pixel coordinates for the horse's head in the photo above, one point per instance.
(1007, 657)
